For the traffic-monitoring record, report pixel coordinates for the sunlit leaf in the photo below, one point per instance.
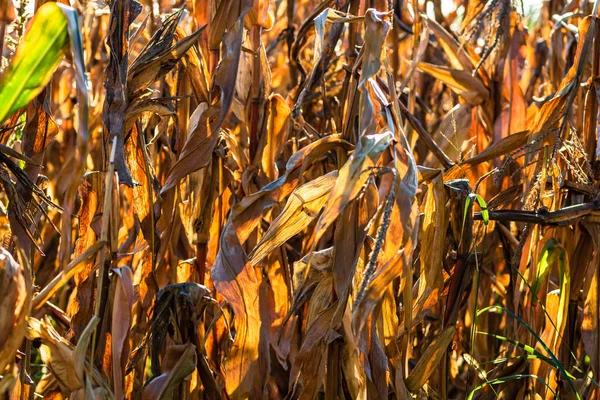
(37, 56)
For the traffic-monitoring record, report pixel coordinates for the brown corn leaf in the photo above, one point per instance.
(197, 151)
(196, 69)
(302, 207)
(236, 281)
(226, 15)
(473, 10)
(67, 369)
(431, 280)
(353, 177)
(514, 117)
(247, 213)
(275, 136)
(354, 371)
(430, 359)
(14, 308)
(139, 106)
(457, 54)
(461, 82)
(349, 238)
(121, 325)
(501, 148)
(159, 56)
(309, 367)
(376, 29)
(553, 110)
(390, 266)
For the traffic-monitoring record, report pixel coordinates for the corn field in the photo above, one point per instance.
(299, 199)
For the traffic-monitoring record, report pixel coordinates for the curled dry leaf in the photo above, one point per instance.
(15, 284)
(60, 357)
(462, 82)
(302, 207)
(376, 29)
(353, 177)
(203, 141)
(236, 281)
(159, 56)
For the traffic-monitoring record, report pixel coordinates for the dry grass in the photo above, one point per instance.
(338, 199)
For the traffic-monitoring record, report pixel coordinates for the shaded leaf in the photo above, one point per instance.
(430, 360)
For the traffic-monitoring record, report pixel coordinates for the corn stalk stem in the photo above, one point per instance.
(563, 217)
(255, 33)
(104, 237)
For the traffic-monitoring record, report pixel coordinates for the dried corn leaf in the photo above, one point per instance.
(121, 326)
(430, 359)
(462, 82)
(376, 29)
(180, 362)
(59, 355)
(352, 177)
(456, 53)
(159, 56)
(236, 281)
(247, 213)
(302, 207)
(272, 141)
(14, 308)
(197, 151)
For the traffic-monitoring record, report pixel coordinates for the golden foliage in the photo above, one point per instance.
(232, 199)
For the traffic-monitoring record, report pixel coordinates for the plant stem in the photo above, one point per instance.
(255, 96)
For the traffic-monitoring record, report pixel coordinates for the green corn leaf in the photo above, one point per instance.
(551, 253)
(36, 58)
(485, 215)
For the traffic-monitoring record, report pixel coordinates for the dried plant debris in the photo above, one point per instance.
(341, 199)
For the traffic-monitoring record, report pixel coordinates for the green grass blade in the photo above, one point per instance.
(533, 352)
(508, 379)
(537, 299)
(540, 341)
